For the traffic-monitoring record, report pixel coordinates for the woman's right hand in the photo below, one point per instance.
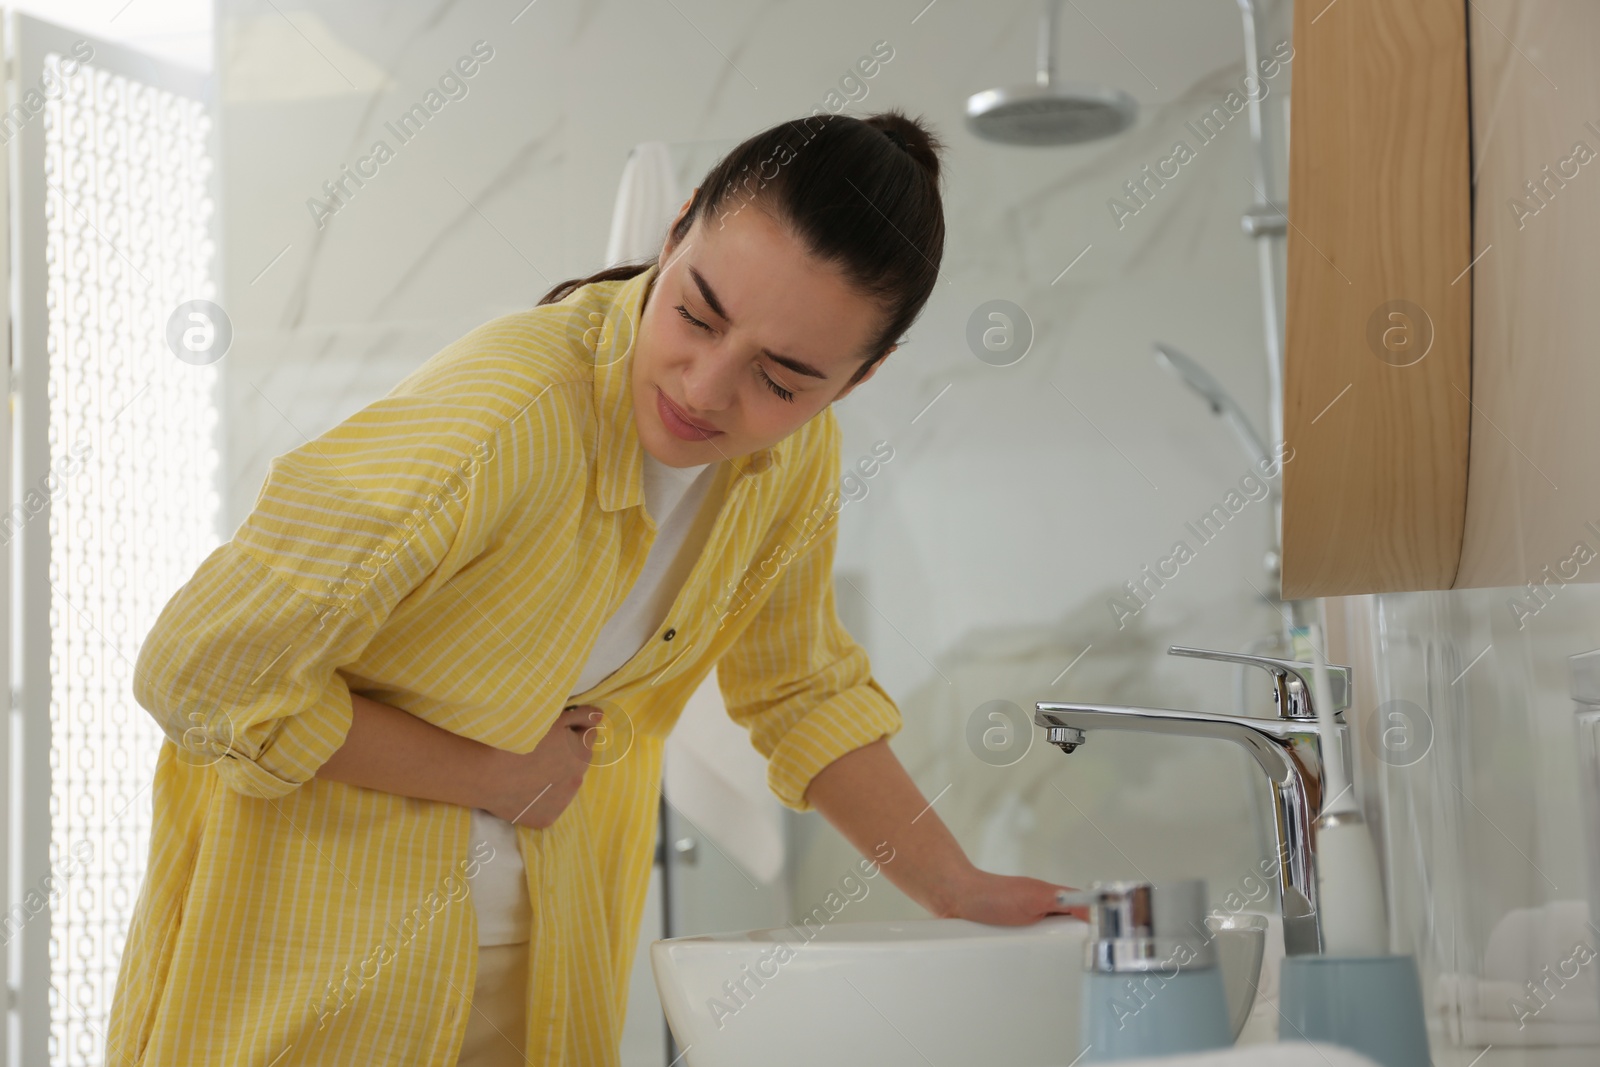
(533, 788)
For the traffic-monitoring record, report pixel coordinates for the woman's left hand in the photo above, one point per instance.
(1006, 900)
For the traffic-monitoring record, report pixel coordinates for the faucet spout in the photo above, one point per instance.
(1287, 750)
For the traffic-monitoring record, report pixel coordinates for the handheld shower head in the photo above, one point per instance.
(1214, 393)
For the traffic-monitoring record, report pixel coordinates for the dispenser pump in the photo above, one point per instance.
(1144, 926)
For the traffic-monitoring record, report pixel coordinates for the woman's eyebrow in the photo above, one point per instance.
(710, 296)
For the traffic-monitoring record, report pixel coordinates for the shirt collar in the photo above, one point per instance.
(610, 313)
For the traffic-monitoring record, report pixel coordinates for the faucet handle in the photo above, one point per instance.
(1292, 680)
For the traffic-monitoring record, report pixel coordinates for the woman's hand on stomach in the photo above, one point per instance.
(534, 788)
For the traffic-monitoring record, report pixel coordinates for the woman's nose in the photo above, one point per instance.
(708, 385)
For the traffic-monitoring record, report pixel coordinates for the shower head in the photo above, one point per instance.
(1216, 395)
(1049, 112)
(1041, 115)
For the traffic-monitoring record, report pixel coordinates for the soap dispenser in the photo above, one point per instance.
(1151, 985)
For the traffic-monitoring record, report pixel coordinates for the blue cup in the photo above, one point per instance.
(1368, 1004)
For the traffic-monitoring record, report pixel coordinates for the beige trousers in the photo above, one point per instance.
(498, 1016)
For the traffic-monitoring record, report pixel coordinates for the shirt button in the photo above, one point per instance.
(670, 634)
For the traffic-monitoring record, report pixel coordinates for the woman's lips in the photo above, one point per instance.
(677, 424)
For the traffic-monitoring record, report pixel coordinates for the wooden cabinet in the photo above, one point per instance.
(1441, 370)
(1377, 359)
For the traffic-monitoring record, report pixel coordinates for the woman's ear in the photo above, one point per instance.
(864, 378)
(669, 246)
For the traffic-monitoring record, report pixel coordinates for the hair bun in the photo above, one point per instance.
(915, 139)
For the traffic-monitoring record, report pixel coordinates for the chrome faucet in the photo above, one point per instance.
(1288, 749)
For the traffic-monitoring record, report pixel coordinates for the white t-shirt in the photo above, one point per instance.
(673, 497)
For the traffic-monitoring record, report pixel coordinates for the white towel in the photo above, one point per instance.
(1554, 948)
(647, 202)
(717, 780)
(711, 773)
(1278, 1054)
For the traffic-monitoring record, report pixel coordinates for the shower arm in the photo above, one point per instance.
(1047, 41)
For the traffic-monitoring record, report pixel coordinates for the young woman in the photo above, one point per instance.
(416, 707)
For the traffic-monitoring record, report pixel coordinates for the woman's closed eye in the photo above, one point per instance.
(782, 393)
(691, 319)
(774, 386)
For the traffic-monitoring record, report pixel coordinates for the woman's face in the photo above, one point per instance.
(775, 318)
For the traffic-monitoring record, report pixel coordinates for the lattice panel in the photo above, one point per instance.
(131, 425)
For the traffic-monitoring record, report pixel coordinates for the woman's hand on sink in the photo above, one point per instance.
(870, 799)
(1006, 900)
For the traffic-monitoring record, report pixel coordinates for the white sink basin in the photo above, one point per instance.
(914, 992)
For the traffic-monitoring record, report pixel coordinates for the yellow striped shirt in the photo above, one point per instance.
(453, 549)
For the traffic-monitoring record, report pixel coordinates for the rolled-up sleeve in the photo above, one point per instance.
(796, 679)
(240, 671)
(241, 667)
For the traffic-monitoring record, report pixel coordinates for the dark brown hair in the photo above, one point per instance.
(860, 194)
